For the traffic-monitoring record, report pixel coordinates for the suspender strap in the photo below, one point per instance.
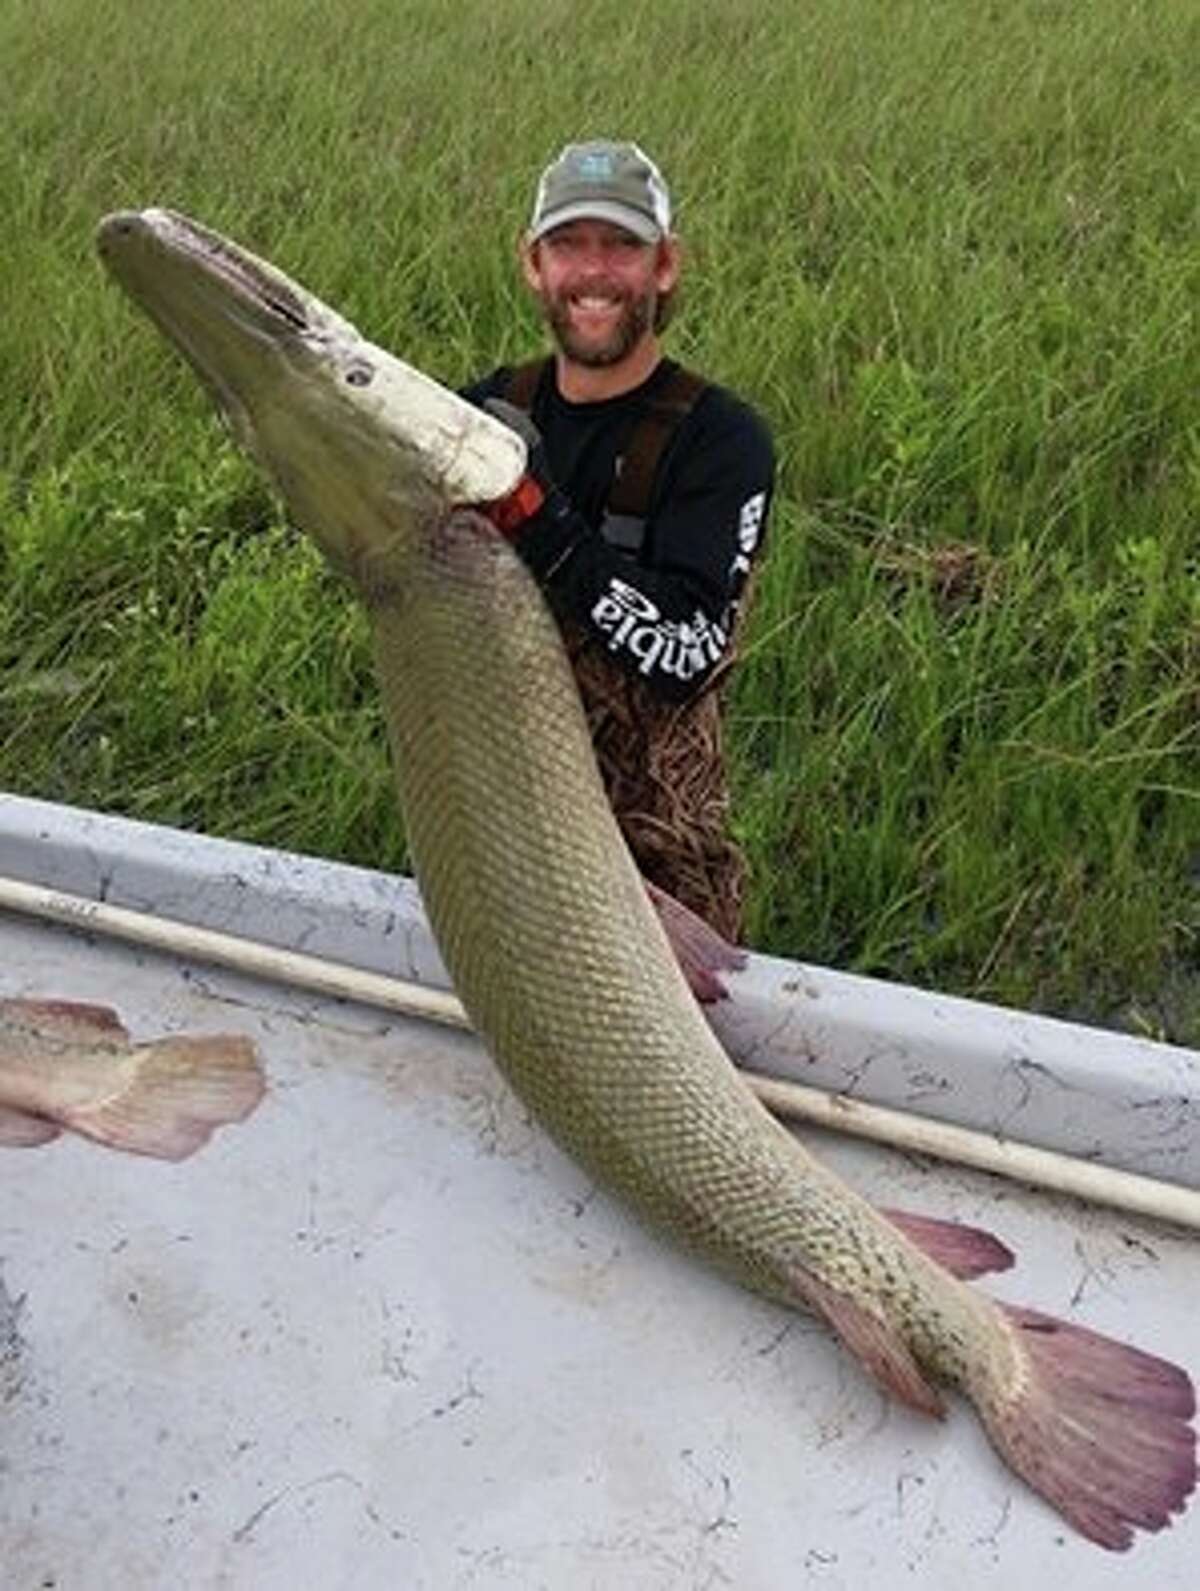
(660, 418)
(523, 383)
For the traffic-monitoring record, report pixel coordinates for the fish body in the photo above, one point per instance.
(68, 1064)
(545, 927)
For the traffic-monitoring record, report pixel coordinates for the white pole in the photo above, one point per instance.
(232, 951)
(1043, 1168)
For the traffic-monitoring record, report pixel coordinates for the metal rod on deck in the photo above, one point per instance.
(1043, 1168)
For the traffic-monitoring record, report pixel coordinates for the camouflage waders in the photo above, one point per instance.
(663, 769)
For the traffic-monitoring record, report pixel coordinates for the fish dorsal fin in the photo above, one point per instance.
(965, 1251)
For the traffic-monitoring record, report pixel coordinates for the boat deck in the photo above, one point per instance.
(384, 1334)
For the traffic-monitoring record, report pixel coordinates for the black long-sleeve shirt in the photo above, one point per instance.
(666, 611)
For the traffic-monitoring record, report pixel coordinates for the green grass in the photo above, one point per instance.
(951, 251)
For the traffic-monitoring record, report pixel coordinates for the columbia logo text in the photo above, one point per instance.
(633, 623)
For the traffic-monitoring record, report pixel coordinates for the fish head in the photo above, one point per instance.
(363, 447)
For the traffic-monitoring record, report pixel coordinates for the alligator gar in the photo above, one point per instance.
(559, 959)
(68, 1064)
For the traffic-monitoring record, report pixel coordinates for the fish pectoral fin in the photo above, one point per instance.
(176, 1093)
(701, 952)
(874, 1342)
(1100, 1429)
(965, 1251)
(20, 1130)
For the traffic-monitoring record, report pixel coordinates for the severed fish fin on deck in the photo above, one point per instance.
(965, 1251)
(70, 1064)
(178, 1091)
(65, 1021)
(20, 1130)
(1100, 1429)
(701, 952)
(873, 1342)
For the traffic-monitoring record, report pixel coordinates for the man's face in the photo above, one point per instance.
(599, 286)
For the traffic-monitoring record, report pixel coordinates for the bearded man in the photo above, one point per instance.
(641, 515)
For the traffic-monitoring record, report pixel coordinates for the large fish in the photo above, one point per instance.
(559, 959)
(66, 1064)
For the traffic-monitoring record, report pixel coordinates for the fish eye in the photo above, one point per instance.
(360, 375)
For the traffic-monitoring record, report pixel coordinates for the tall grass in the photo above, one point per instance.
(950, 250)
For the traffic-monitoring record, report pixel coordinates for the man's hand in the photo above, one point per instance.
(527, 497)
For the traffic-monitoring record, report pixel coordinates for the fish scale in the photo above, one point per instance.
(536, 902)
(543, 921)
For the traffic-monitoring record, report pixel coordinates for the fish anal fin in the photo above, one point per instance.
(701, 952)
(965, 1251)
(20, 1130)
(872, 1341)
(1100, 1429)
(177, 1092)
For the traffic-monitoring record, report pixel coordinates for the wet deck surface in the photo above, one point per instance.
(383, 1334)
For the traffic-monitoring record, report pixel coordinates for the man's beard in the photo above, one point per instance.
(637, 316)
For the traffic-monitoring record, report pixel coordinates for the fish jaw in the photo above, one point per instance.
(363, 447)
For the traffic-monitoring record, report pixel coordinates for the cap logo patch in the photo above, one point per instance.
(596, 167)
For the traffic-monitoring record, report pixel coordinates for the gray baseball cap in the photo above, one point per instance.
(603, 181)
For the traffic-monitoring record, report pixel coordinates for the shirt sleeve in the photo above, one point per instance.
(668, 618)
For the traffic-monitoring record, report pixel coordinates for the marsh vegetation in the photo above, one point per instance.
(951, 251)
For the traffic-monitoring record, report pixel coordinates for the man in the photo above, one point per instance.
(641, 514)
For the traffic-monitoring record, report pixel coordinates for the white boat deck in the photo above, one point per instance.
(382, 1334)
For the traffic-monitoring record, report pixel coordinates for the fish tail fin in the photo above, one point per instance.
(174, 1095)
(1100, 1429)
(700, 950)
(965, 1251)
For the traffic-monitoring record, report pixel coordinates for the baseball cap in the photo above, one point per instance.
(603, 181)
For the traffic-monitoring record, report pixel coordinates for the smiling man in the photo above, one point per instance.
(642, 513)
